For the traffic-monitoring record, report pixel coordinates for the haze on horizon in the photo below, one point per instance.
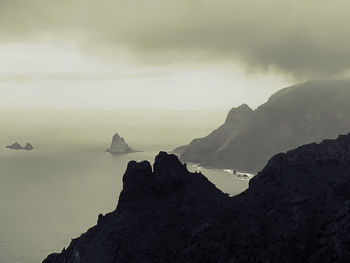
(156, 54)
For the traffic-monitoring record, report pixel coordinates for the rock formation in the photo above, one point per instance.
(17, 146)
(294, 116)
(28, 147)
(297, 209)
(119, 146)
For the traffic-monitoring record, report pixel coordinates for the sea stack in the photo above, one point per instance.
(17, 146)
(119, 146)
(28, 147)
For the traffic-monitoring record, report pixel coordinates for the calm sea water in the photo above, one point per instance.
(55, 192)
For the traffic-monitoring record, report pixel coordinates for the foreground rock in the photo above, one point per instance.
(119, 146)
(294, 116)
(297, 209)
(17, 146)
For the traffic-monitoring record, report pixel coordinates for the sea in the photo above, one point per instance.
(54, 193)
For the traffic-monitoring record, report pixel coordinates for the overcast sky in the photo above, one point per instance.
(160, 54)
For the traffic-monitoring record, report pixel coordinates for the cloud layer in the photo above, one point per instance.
(308, 39)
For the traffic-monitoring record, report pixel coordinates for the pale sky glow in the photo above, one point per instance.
(165, 54)
(44, 76)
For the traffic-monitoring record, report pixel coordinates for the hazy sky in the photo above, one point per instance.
(160, 54)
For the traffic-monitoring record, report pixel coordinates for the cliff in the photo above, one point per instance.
(156, 210)
(296, 209)
(304, 113)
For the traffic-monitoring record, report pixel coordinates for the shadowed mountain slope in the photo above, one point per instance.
(291, 117)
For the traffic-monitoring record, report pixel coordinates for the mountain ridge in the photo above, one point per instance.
(300, 114)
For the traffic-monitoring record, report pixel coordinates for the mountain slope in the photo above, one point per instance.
(297, 115)
(296, 209)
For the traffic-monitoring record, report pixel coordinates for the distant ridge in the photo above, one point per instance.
(304, 113)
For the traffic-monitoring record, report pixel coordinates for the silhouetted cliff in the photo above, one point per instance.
(293, 116)
(296, 209)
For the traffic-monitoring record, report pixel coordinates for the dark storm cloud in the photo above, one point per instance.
(306, 38)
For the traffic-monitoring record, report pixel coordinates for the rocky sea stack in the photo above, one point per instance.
(28, 147)
(17, 146)
(119, 146)
(297, 209)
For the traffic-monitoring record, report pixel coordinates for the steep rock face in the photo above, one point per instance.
(297, 209)
(119, 145)
(293, 116)
(202, 150)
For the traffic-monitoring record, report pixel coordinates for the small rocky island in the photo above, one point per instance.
(17, 146)
(119, 146)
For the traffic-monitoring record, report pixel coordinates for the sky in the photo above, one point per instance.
(162, 54)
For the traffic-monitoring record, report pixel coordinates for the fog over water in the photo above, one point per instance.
(55, 192)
